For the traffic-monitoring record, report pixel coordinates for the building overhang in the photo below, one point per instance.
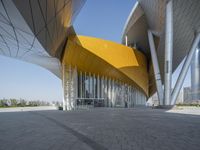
(106, 58)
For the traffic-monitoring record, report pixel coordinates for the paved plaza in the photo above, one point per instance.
(99, 129)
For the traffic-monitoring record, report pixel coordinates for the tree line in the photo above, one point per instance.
(23, 103)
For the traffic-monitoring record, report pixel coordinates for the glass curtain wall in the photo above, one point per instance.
(86, 89)
(101, 91)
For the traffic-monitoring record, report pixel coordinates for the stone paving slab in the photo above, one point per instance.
(36, 108)
(186, 110)
(99, 129)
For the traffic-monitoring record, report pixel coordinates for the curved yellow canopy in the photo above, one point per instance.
(107, 58)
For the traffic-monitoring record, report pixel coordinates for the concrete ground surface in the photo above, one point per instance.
(99, 129)
(186, 110)
(35, 108)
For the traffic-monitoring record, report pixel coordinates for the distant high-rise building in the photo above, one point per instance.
(187, 94)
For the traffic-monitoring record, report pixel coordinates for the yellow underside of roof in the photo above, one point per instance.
(106, 58)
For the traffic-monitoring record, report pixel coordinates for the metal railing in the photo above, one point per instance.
(86, 103)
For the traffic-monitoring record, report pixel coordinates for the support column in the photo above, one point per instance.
(94, 86)
(89, 85)
(132, 97)
(102, 88)
(156, 69)
(63, 84)
(184, 70)
(195, 75)
(85, 89)
(106, 91)
(98, 87)
(136, 95)
(103, 93)
(81, 85)
(113, 92)
(123, 94)
(68, 86)
(128, 99)
(109, 92)
(168, 52)
(74, 88)
(126, 40)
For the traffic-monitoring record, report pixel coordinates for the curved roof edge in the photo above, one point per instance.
(126, 64)
(128, 20)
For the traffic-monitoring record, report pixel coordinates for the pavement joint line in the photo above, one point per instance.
(91, 143)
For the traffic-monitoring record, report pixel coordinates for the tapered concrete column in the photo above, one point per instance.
(168, 52)
(156, 69)
(184, 69)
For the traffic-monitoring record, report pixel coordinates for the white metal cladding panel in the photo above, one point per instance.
(18, 41)
(47, 20)
(155, 12)
(34, 31)
(186, 21)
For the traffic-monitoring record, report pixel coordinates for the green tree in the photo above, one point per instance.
(14, 102)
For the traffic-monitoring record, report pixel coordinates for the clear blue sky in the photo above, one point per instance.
(99, 18)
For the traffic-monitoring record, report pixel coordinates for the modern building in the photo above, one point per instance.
(187, 94)
(96, 72)
(166, 32)
(190, 97)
